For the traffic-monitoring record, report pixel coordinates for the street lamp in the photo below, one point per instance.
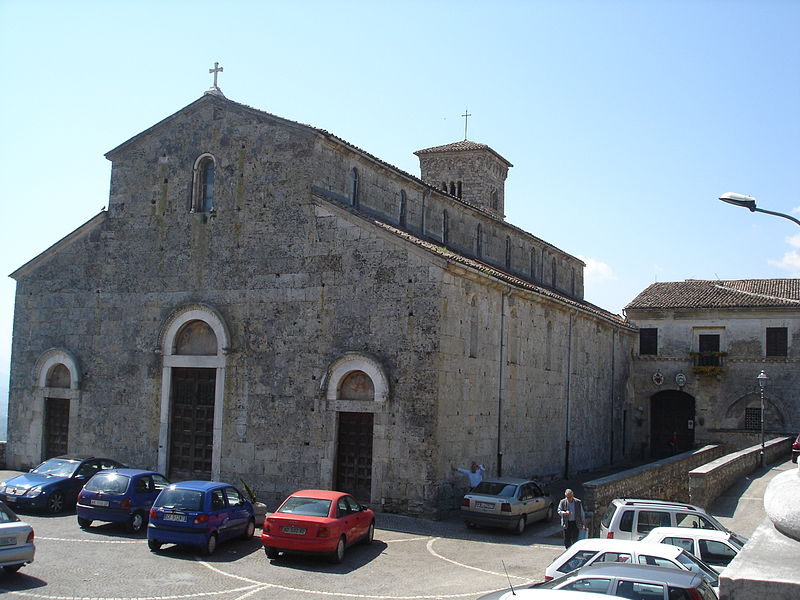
(762, 383)
(749, 203)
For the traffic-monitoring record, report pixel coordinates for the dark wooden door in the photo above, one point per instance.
(670, 413)
(56, 427)
(354, 455)
(191, 423)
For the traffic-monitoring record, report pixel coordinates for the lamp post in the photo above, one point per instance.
(762, 383)
(749, 203)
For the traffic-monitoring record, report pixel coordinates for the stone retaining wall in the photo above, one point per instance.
(666, 479)
(708, 481)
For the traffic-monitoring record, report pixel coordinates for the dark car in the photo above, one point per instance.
(54, 484)
(119, 496)
(507, 502)
(201, 514)
(796, 448)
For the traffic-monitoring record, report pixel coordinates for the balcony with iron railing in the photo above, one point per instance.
(707, 363)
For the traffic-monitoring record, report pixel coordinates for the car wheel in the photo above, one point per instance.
(12, 568)
(249, 530)
(550, 513)
(135, 523)
(338, 554)
(154, 545)
(84, 523)
(55, 503)
(211, 545)
(271, 553)
(519, 528)
(370, 533)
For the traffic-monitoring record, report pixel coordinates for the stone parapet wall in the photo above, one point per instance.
(665, 479)
(708, 481)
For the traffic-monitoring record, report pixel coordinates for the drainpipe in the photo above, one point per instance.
(613, 384)
(500, 386)
(568, 392)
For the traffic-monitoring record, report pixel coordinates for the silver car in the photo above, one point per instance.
(507, 502)
(16, 541)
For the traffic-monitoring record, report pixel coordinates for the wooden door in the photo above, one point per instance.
(191, 423)
(56, 427)
(354, 455)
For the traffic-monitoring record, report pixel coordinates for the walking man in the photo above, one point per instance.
(570, 509)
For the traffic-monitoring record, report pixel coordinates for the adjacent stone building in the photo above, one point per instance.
(263, 301)
(702, 345)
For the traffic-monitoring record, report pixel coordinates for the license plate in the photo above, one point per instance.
(174, 517)
(484, 505)
(8, 541)
(294, 530)
(99, 502)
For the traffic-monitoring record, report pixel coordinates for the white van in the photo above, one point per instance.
(595, 550)
(634, 518)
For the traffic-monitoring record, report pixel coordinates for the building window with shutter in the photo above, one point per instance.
(648, 341)
(777, 341)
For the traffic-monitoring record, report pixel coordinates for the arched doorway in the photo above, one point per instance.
(671, 423)
(57, 393)
(194, 343)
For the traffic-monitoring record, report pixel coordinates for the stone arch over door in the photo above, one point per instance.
(56, 402)
(671, 411)
(356, 391)
(194, 343)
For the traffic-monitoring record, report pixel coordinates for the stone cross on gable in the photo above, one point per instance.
(215, 70)
(466, 116)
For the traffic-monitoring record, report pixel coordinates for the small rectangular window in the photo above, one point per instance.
(752, 418)
(777, 341)
(648, 341)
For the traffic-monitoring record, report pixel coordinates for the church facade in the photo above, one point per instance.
(265, 302)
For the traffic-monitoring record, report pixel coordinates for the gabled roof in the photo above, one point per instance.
(462, 146)
(718, 294)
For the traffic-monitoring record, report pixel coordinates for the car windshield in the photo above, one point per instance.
(180, 499)
(60, 467)
(6, 515)
(691, 562)
(309, 507)
(111, 483)
(495, 488)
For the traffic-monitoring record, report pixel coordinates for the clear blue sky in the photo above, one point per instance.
(624, 120)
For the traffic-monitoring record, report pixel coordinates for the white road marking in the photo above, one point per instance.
(462, 565)
(251, 588)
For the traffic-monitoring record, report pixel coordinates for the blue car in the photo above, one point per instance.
(119, 496)
(54, 484)
(200, 514)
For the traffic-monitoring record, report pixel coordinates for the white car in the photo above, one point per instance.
(634, 518)
(715, 548)
(596, 550)
(16, 541)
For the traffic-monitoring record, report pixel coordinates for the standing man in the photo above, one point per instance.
(570, 509)
(474, 474)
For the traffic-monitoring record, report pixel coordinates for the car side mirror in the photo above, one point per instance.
(362, 507)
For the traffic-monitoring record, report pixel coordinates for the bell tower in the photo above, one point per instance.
(467, 170)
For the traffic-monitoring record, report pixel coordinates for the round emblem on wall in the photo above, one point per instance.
(658, 378)
(680, 379)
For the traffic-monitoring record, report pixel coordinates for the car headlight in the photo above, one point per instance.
(33, 492)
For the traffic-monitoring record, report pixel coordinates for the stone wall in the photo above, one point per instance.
(665, 479)
(709, 481)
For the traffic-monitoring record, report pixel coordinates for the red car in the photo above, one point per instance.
(796, 449)
(318, 521)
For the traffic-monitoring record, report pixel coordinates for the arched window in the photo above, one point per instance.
(452, 188)
(495, 202)
(204, 176)
(458, 189)
(445, 227)
(479, 241)
(508, 252)
(354, 187)
(444, 186)
(533, 264)
(402, 208)
(553, 278)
